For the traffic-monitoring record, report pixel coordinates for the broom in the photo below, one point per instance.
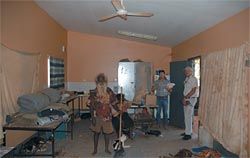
(118, 146)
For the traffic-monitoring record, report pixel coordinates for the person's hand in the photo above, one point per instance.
(169, 90)
(184, 102)
(120, 111)
(152, 90)
(93, 121)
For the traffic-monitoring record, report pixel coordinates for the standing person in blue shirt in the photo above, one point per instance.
(162, 93)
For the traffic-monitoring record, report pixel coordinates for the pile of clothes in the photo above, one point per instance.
(35, 144)
(49, 115)
(185, 153)
(209, 153)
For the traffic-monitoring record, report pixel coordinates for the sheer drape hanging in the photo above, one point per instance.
(224, 101)
(18, 75)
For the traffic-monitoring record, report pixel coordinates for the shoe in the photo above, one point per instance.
(187, 137)
(183, 134)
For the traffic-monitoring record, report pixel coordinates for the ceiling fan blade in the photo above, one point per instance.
(108, 17)
(122, 4)
(142, 14)
(118, 4)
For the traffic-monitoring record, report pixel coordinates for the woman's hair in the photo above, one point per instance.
(101, 84)
(101, 78)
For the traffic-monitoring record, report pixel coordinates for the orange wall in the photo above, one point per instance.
(26, 27)
(232, 32)
(89, 55)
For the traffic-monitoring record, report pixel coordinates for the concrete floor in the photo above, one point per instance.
(141, 146)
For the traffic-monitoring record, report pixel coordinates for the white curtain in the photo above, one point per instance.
(18, 76)
(224, 98)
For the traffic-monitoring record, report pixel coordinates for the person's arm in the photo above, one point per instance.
(113, 101)
(185, 99)
(194, 83)
(126, 105)
(112, 97)
(91, 103)
(193, 90)
(153, 88)
(168, 88)
(116, 107)
(93, 114)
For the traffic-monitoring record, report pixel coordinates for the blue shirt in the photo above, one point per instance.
(161, 87)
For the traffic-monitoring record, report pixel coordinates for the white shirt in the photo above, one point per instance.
(190, 83)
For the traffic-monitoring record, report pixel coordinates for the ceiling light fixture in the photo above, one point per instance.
(137, 35)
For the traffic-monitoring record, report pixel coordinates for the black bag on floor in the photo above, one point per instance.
(154, 132)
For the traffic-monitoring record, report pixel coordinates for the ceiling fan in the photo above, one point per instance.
(122, 12)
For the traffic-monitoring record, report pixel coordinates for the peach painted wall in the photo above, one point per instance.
(26, 27)
(89, 55)
(232, 32)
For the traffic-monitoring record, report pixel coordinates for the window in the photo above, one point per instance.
(55, 72)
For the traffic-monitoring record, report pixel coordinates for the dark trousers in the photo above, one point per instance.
(127, 122)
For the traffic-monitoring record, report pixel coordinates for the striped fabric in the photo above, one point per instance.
(56, 73)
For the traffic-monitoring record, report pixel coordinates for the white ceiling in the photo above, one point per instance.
(173, 22)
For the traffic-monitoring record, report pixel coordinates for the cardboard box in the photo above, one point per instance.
(151, 100)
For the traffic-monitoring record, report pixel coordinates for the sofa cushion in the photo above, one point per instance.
(31, 103)
(53, 94)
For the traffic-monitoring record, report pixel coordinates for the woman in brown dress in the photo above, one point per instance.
(100, 101)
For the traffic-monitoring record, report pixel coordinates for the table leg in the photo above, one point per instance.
(53, 142)
(4, 137)
(72, 126)
(73, 107)
(79, 103)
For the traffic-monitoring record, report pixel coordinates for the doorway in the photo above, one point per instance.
(176, 113)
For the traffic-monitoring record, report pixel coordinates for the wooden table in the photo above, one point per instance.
(19, 125)
(6, 152)
(70, 100)
(136, 106)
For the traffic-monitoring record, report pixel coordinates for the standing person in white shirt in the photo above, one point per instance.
(191, 93)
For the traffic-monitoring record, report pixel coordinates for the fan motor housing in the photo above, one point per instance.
(121, 12)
